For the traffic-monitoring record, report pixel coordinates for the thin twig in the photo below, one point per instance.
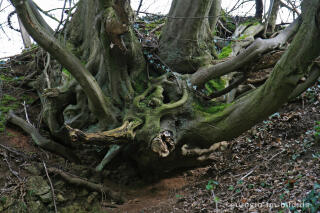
(25, 111)
(139, 7)
(51, 186)
(62, 15)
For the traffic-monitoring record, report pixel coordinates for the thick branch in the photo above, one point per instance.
(68, 60)
(257, 48)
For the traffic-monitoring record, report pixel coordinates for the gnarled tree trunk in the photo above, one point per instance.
(160, 122)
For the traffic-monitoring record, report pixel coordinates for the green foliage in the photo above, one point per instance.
(225, 52)
(211, 185)
(311, 203)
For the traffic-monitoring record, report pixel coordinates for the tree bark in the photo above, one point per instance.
(274, 15)
(214, 14)
(185, 43)
(259, 9)
(25, 36)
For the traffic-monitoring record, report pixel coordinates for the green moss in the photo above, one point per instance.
(211, 108)
(251, 21)
(67, 73)
(225, 52)
(215, 85)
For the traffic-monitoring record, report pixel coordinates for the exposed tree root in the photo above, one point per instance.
(118, 135)
(186, 151)
(41, 141)
(112, 152)
(89, 185)
(313, 76)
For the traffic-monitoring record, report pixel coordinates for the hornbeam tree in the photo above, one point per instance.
(162, 120)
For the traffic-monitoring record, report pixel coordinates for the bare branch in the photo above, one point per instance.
(257, 48)
(139, 7)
